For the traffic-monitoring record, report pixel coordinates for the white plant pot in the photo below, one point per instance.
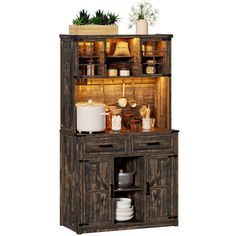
(141, 27)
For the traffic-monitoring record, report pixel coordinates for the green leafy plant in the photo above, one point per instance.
(99, 18)
(82, 18)
(112, 18)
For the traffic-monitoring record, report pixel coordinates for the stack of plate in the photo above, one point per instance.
(124, 209)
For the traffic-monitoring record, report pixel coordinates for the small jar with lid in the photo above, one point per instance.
(116, 120)
(90, 68)
(124, 72)
(150, 68)
(109, 110)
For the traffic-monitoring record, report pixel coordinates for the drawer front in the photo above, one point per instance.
(98, 147)
(152, 143)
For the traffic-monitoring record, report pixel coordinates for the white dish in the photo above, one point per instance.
(130, 209)
(124, 214)
(124, 218)
(125, 206)
(123, 200)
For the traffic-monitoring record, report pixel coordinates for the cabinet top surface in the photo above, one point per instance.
(68, 36)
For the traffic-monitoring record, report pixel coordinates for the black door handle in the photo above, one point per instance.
(147, 188)
(111, 190)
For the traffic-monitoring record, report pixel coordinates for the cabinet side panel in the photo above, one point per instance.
(67, 86)
(69, 176)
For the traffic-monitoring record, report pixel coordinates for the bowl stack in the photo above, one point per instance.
(124, 209)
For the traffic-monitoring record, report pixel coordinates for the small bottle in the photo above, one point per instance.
(116, 120)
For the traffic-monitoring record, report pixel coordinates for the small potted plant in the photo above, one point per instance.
(100, 23)
(141, 15)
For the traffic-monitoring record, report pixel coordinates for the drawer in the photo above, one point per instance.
(100, 146)
(152, 143)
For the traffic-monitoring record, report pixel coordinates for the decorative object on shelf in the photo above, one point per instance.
(141, 15)
(125, 179)
(124, 72)
(90, 69)
(122, 49)
(109, 110)
(149, 49)
(90, 116)
(112, 72)
(146, 124)
(150, 68)
(124, 209)
(133, 102)
(116, 120)
(122, 101)
(99, 24)
(135, 125)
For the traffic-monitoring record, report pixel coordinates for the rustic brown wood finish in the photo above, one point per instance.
(89, 163)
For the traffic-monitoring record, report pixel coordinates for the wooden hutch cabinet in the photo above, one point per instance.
(89, 163)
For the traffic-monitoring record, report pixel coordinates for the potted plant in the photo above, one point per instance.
(141, 15)
(100, 23)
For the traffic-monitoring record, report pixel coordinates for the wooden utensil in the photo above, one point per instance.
(123, 101)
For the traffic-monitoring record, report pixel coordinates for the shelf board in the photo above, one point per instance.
(131, 188)
(156, 63)
(124, 57)
(148, 56)
(132, 221)
(87, 57)
(122, 77)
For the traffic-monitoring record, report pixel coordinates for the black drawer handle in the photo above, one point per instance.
(153, 143)
(105, 145)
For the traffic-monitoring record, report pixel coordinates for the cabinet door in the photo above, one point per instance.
(161, 196)
(97, 182)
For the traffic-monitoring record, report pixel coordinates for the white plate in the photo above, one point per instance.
(123, 218)
(124, 214)
(120, 206)
(130, 209)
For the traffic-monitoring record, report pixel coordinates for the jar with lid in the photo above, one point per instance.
(109, 116)
(124, 72)
(150, 68)
(90, 68)
(116, 120)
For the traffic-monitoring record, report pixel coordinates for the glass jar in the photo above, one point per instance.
(150, 68)
(112, 72)
(88, 48)
(109, 110)
(149, 49)
(116, 120)
(124, 72)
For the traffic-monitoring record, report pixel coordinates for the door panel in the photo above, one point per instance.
(160, 181)
(97, 201)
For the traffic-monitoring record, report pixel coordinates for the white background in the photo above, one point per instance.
(203, 101)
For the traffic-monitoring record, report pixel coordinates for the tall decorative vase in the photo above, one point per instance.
(141, 27)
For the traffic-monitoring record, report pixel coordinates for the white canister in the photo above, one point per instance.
(124, 72)
(146, 124)
(90, 116)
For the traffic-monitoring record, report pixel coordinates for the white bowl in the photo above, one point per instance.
(124, 218)
(128, 209)
(125, 206)
(124, 214)
(123, 200)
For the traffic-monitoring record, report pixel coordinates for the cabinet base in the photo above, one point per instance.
(123, 226)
